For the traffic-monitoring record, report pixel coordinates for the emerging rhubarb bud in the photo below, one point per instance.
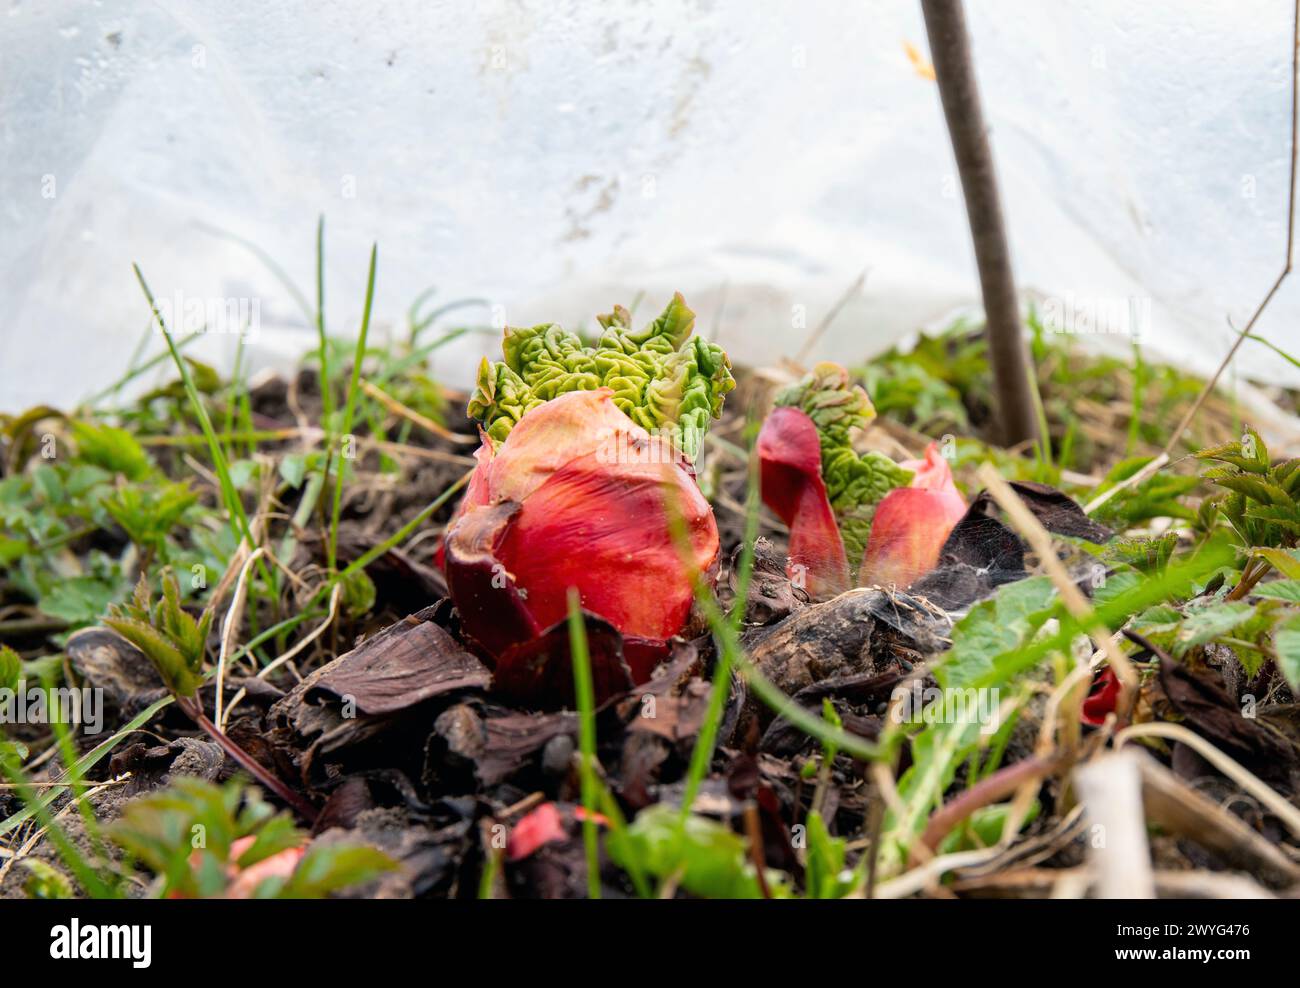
(791, 477)
(912, 523)
(584, 486)
(815, 481)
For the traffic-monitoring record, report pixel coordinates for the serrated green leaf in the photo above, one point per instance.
(112, 448)
(164, 655)
(1162, 616)
(11, 668)
(1255, 488)
(1288, 590)
(709, 857)
(1204, 624)
(1271, 514)
(995, 626)
(1286, 643)
(327, 868)
(1116, 585)
(80, 600)
(1177, 581)
(1286, 562)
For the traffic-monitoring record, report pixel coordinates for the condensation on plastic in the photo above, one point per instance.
(558, 157)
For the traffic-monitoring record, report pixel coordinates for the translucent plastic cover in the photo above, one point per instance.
(556, 158)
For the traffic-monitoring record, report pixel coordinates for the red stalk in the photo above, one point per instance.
(789, 451)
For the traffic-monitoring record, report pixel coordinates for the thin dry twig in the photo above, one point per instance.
(411, 415)
(1032, 530)
(1241, 775)
(926, 875)
(297, 649)
(234, 615)
(30, 844)
(817, 333)
(1137, 478)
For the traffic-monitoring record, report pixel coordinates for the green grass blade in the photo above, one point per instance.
(582, 686)
(350, 408)
(228, 491)
(720, 688)
(40, 808)
(134, 371)
(1275, 348)
(268, 261)
(84, 764)
(326, 392)
(370, 555)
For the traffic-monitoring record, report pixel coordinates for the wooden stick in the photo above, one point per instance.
(945, 25)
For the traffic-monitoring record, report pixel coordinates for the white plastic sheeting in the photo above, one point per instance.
(556, 157)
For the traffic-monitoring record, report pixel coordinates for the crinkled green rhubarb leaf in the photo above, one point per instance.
(663, 378)
(855, 483)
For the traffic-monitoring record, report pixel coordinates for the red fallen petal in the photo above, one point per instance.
(279, 865)
(909, 529)
(931, 473)
(542, 826)
(1102, 698)
(603, 528)
(789, 452)
(243, 882)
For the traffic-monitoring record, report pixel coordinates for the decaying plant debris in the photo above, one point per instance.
(338, 664)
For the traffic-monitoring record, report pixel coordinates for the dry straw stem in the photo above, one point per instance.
(230, 626)
(1029, 527)
(30, 844)
(1177, 808)
(411, 415)
(849, 293)
(1111, 788)
(1132, 481)
(1248, 781)
(288, 656)
(928, 875)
